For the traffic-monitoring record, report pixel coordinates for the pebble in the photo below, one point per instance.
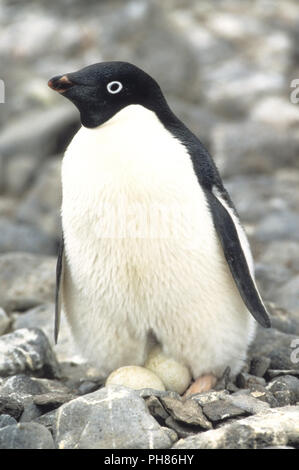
(188, 412)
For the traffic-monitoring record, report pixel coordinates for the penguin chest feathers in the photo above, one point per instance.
(132, 200)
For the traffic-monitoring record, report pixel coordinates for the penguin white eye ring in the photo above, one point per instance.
(114, 87)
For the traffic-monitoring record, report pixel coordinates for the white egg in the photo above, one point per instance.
(175, 376)
(135, 377)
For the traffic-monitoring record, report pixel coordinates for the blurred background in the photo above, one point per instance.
(225, 67)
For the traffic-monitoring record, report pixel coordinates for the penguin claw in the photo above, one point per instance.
(204, 383)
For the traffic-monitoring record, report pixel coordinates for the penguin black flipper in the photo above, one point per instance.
(59, 280)
(236, 260)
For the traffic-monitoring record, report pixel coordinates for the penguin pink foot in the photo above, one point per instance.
(204, 383)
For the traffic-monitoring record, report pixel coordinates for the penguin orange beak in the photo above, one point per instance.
(60, 83)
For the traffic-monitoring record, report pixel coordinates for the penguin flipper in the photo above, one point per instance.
(59, 281)
(236, 260)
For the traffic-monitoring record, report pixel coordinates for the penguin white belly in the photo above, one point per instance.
(142, 254)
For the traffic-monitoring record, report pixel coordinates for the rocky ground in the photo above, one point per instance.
(226, 68)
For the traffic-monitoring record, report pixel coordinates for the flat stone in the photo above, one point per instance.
(183, 430)
(26, 436)
(188, 412)
(50, 401)
(220, 410)
(248, 403)
(101, 420)
(42, 317)
(209, 397)
(22, 386)
(27, 351)
(272, 373)
(156, 408)
(274, 427)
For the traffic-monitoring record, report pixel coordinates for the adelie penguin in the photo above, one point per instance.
(152, 245)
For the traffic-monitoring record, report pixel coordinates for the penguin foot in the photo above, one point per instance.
(204, 383)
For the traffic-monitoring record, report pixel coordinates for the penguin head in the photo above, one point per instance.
(101, 90)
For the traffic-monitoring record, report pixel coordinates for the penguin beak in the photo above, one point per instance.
(60, 83)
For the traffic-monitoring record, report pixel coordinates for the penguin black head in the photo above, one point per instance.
(100, 90)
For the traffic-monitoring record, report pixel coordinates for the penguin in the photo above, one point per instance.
(152, 245)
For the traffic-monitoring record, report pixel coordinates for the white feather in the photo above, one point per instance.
(142, 254)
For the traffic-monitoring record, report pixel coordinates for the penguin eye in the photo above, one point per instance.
(114, 87)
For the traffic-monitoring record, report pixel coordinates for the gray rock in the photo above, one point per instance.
(26, 436)
(288, 294)
(26, 280)
(16, 236)
(285, 397)
(244, 380)
(282, 320)
(275, 345)
(88, 386)
(270, 278)
(148, 392)
(156, 408)
(37, 133)
(264, 395)
(182, 430)
(247, 403)
(10, 406)
(281, 253)
(50, 401)
(19, 173)
(271, 373)
(100, 420)
(221, 409)
(4, 321)
(41, 206)
(48, 420)
(259, 151)
(43, 317)
(209, 397)
(285, 383)
(188, 412)
(6, 420)
(274, 427)
(259, 365)
(22, 386)
(31, 411)
(27, 351)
